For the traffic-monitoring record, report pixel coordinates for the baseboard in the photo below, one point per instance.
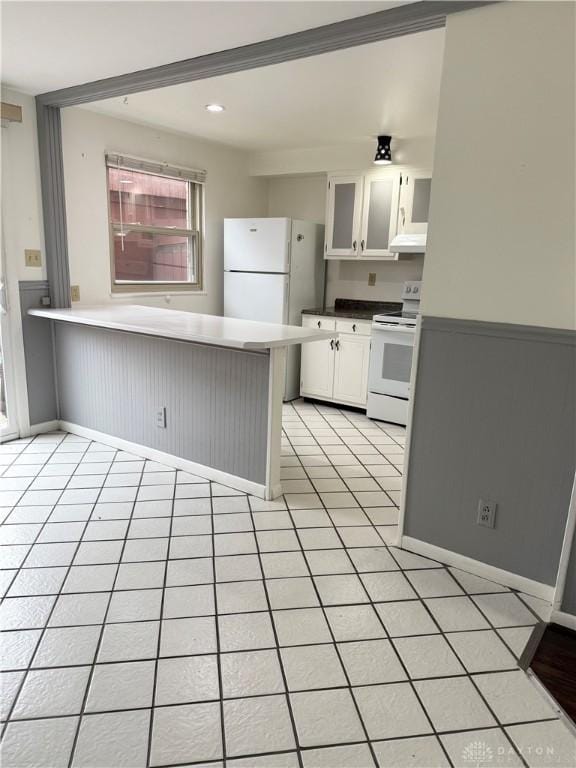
(216, 475)
(478, 568)
(326, 401)
(45, 426)
(567, 620)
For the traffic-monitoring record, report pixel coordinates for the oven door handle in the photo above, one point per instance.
(392, 327)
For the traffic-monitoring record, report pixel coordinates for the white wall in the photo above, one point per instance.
(21, 195)
(501, 239)
(349, 280)
(230, 191)
(299, 197)
(415, 151)
(22, 227)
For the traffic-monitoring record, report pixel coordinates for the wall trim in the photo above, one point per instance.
(276, 383)
(215, 475)
(478, 568)
(53, 203)
(33, 285)
(501, 330)
(43, 427)
(568, 551)
(564, 619)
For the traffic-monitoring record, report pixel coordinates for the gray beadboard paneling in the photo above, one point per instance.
(494, 418)
(569, 597)
(216, 398)
(37, 338)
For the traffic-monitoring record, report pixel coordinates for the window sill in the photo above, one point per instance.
(119, 295)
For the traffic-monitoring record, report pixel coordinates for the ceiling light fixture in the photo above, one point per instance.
(215, 108)
(383, 151)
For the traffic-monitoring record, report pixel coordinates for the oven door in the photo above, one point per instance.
(391, 360)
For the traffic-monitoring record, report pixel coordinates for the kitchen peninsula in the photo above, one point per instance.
(199, 392)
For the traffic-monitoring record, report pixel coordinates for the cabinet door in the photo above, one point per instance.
(317, 361)
(379, 215)
(343, 212)
(414, 202)
(351, 369)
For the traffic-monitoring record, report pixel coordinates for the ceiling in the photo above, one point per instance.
(347, 96)
(50, 45)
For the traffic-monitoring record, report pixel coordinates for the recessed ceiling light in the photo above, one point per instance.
(215, 108)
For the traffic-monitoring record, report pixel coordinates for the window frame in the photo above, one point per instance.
(195, 211)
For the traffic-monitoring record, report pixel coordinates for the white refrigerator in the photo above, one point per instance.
(273, 269)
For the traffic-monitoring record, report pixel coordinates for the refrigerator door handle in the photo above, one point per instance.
(286, 299)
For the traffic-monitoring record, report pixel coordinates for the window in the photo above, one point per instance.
(155, 225)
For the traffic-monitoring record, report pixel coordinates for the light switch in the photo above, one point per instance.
(32, 257)
(371, 278)
(75, 292)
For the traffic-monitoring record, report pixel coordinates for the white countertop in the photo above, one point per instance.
(186, 326)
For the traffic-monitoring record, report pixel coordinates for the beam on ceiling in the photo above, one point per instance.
(395, 22)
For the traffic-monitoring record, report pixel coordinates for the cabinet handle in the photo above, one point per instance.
(319, 323)
(337, 345)
(354, 245)
(354, 327)
(331, 343)
(361, 245)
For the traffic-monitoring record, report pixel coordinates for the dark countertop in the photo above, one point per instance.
(356, 309)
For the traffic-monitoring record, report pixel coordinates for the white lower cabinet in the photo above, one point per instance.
(351, 369)
(336, 370)
(317, 369)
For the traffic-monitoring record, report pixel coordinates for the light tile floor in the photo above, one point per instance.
(155, 619)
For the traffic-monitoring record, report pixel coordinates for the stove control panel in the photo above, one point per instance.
(412, 290)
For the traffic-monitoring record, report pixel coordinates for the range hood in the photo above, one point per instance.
(408, 244)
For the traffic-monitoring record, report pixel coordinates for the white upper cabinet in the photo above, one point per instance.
(414, 202)
(379, 215)
(344, 211)
(362, 215)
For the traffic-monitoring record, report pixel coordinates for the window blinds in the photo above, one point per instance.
(157, 168)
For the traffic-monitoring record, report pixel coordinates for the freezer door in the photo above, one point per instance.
(259, 297)
(257, 245)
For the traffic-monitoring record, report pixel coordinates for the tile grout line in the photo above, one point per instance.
(160, 622)
(52, 608)
(421, 600)
(277, 642)
(82, 712)
(304, 468)
(400, 660)
(217, 631)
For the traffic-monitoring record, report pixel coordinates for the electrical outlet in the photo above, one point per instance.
(75, 292)
(161, 417)
(371, 278)
(486, 514)
(32, 257)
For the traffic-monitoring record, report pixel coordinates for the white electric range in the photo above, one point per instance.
(391, 355)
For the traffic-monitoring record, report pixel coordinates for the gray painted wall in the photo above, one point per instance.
(569, 597)
(37, 337)
(494, 418)
(216, 399)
